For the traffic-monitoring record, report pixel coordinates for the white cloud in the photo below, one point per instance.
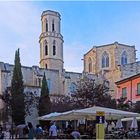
(20, 27)
(19, 17)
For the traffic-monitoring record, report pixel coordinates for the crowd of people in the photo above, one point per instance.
(22, 131)
(52, 131)
(27, 131)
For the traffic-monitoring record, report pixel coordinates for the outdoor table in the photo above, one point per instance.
(62, 135)
(108, 136)
(84, 136)
(116, 132)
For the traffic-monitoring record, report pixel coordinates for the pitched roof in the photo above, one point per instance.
(106, 45)
(127, 79)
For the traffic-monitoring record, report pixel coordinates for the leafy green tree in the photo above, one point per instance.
(17, 92)
(62, 104)
(135, 107)
(5, 112)
(44, 101)
(123, 104)
(31, 102)
(89, 93)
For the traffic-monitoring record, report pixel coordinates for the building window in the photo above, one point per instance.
(52, 25)
(90, 65)
(73, 87)
(35, 81)
(62, 50)
(49, 84)
(124, 58)
(46, 50)
(46, 66)
(124, 92)
(46, 47)
(39, 82)
(107, 84)
(54, 48)
(46, 26)
(105, 60)
(138, 88)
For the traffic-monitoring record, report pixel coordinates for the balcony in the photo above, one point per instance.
(49, 34)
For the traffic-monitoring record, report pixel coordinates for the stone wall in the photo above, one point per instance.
(130, 69)
(32, 76)
(91, 55)
(114, 72)
(69, 78)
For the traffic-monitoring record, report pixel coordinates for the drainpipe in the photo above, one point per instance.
(131, 92)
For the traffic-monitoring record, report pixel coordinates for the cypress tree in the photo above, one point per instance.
(44, 101)
(17, 92)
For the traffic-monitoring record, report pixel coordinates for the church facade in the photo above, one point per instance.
(110, 62)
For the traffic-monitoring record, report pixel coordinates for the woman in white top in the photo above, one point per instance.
(53, 131)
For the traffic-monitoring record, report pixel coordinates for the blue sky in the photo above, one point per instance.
(83, 25)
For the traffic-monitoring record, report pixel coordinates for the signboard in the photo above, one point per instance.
(100, 113)
(100, 130)
(100, 117)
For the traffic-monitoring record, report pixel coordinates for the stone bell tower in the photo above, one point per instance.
(51, 41)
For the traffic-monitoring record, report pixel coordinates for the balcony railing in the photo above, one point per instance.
(44, 34)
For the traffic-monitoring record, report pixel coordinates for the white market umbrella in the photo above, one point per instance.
(109, 113)
(134, 123)
(129, 119)
(69, 115)
(119, 124)
(90, 114)
(21, 126)
(49, 116)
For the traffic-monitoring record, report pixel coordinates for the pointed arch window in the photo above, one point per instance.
(46, 66)
(54, 48)
(90, 65)
(53, 26)
(124, 58)
(46, 47)
(105, 60)
(46, 25)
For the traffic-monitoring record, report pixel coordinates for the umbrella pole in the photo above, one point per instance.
(85, 124)
(75, 125)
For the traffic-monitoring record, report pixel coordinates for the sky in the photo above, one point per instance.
(84, 24)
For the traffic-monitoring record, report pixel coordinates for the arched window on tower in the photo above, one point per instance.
(105, 60)
(90, 65)
(53, 26)
(46, 47)
(54, 48)
(46, 25)
(46, 66)
(124, 58)
(62, 50)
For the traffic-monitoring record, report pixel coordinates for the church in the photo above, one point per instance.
(111, 62)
